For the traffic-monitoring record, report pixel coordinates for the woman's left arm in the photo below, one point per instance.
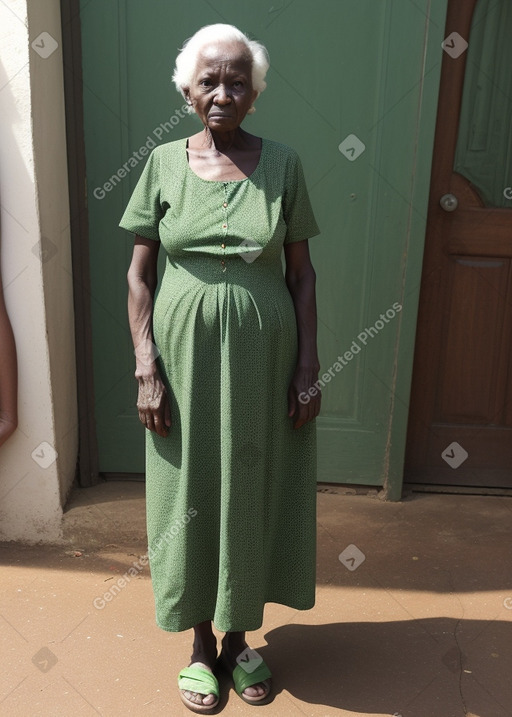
(300, 277)
(8, 375)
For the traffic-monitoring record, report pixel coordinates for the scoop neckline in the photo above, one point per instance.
(222, 181)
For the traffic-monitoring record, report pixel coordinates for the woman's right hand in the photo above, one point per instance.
(7, 428)
(153, 403)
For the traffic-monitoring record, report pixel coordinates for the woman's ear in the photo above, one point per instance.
(252, 108)
(186, 95)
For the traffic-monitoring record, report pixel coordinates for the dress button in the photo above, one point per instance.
(225, 204)
(223, 246)
(224, 226)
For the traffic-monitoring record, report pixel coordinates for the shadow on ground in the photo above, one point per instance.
(404, 667)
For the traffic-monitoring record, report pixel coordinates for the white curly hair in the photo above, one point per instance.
(209, 34)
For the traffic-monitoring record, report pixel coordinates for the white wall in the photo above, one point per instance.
(38, 289)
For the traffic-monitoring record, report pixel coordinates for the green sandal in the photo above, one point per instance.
(197, 679)
(252, 672)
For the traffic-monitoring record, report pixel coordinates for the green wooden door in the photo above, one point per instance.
(353, 87)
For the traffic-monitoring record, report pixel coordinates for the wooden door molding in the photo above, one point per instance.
(458, 19)
(432, 296)
(454, 240)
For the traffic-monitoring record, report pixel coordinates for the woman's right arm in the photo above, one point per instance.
(152, 403)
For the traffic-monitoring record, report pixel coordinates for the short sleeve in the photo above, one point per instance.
(297, 210)
(144, 211)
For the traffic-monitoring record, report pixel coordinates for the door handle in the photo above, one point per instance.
(449, 202)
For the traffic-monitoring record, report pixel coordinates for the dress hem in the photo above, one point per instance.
(237, 628)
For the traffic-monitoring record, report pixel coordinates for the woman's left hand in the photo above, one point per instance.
(303, 404)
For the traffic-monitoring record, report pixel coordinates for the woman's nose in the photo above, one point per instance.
(222, 96)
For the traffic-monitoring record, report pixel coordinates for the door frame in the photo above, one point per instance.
(88, 470)
(432, 293)
(88, 460)
(459, 18)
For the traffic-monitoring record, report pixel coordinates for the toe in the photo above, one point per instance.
(199, 699)
(208, 699)
(251, 691)
(257, 690)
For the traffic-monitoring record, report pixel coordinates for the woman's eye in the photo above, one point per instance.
(238, 83)
(205, 83)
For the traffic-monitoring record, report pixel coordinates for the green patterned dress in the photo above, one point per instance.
(231, 490)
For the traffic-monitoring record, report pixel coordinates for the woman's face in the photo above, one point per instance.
(221, 90)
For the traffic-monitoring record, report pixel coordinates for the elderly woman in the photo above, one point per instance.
(221, 359)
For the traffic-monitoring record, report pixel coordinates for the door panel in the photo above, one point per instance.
(338, 69)
(470, 355)
(460, 432)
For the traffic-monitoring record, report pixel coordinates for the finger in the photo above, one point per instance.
(307, 412)
(167, 413)
(300, 413)
(299, 417)
(160, 426)
(162, 417)
(150, 423)
(303, 410)
(157, 423)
